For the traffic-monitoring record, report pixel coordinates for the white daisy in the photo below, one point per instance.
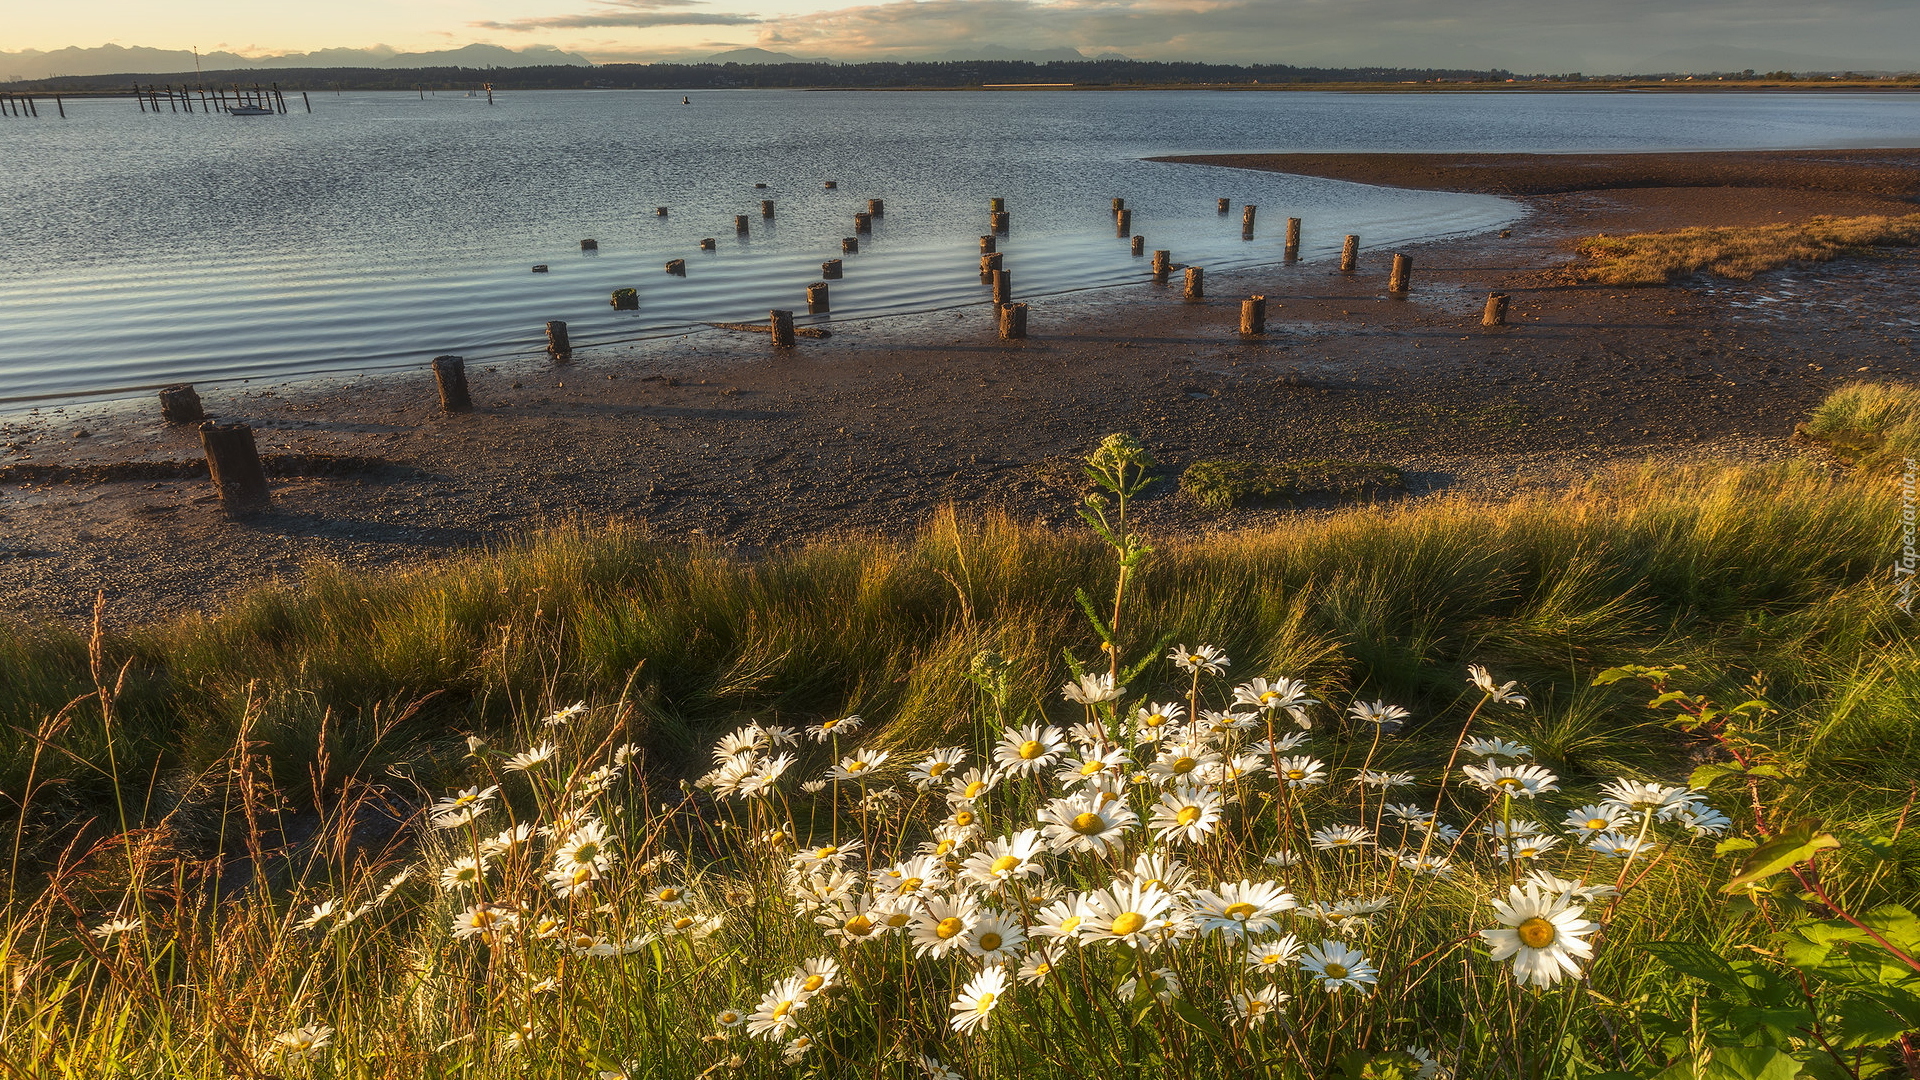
(1543, 932)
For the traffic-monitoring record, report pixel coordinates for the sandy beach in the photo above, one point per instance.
(718, 438)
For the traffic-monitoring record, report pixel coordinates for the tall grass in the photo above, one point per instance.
(1738, 251)
(1875, 426)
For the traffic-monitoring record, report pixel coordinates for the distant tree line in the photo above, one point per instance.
(952, 74)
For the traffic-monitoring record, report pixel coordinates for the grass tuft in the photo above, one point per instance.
(1223, 485)
(1875, 426)
(1738, 252)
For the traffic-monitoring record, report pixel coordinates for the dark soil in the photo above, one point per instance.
(717, 437)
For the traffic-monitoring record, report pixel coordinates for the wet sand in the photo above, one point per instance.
(718, 438)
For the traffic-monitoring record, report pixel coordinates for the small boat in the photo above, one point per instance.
(248, 110)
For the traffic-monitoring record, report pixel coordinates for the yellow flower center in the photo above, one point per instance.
(1091, 767)
(586, 852)
(856, 765)
(1336, 971)
(1267, 696)
(1187, 815)
(1296, 774)
(1271, 958)
(985, 1002)
(1598, 824)
(948, 927)
(782, 1009)
(899, 919)
(1089, 824)
(1071, 923)
(1156, 720)
(668, 896)
(1004, 863)
(827, 852)
(990, 941)
(1043, 968)
(1183, 765)
(1151, 884)
(1508, 782)
(963, 818)
(1128, 922)
(974, 789)
(910, 886)
(1255, 1006)
(1241, 911)
(1536, 933)
(829, 725)
(939, 768)
(858, 926)
(683, 922)
(1031, 749)
(814, 982)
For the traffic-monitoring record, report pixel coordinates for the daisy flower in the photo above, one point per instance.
(1153, 722)
(1336, 837)
(465, 872)
(1028, 750)
(1158, 871)
(1092, 690)
(1181, 760)
(1527, 780)
(774, 1016)
(1129, 913)
(303, 1042)
(1002, 861)
(1619, 845)
(1574, 887)
(853, 920)
(114, 927)
(1271, 956)
(1300, 771)
(1701, 820)
(1595, 818)
(1338, 967)
(913, 877)
(1268, 696)
(828, 729)
(1543, 932)
(857, 766)
(1378, 713)
(1520, 848)
(1496, 748)
(825, 855)
(729, 1018)
(818, 975)
(1478, 677)
(1640, 797)
(1091, 763)
(1085, 823)
(529, 760)
(973, 784)
(1186, 814)
(1036, 967)
(978, 999)
(1257, 1007)
(1199, 659)
(941, 926)
(585, 846)
(560, 717)
(1384, 780)
(1063, 920)
(796, 1049)
(1241, 909)
(994, 938)
(934, 767)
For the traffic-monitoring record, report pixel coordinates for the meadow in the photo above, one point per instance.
(1609, 782)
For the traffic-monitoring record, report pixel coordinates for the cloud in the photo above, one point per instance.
(631, 13)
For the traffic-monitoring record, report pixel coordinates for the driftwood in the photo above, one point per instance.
(765, 328)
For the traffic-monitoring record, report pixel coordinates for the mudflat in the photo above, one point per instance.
(718, 438)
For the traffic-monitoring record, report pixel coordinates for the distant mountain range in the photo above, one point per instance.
(118, 60)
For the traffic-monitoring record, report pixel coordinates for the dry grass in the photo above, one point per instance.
(1875, 426)
(1658, 258)
(1221, 485)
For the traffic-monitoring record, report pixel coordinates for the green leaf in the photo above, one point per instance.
(1788, 849)
(1198, 1018)
(1736, 1063)
(1691, 958)
(1704, 776)
(1732, 844)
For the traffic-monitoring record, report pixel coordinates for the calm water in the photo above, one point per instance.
(383, 229)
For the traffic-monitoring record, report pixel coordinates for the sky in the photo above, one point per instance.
(1522, 35)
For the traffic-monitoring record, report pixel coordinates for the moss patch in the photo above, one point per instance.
(1222, 485)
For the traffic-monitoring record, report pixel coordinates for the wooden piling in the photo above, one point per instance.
(1139, 245)
(1402, 276)
(766, 208)
(1196, 287)
(999, 222)
(1496, 311)
(307, 101)
(1119, 205)
(659, 211)
(739, 223)
(1225, 205)
(589, 245)
(58, 104)
(817, 298)
(862, 222)
(1123, 223)
(1162, 265)
(625, 300)
(179, 404)
(1246, 218)
(990, 262)
(988, 245)
(234, 463)
(877, 207)
(1013, 321)
(996, 205)
(1292, 251)
(1350, 254)
(831, 185)
(558, 345)
(781, 325)
(830, 269)
(849, 245)
(1003, 286)
(450, 375)
(1253, 315)
(677, 267)
(708, 243)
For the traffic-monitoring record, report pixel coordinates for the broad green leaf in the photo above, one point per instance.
(1704, 776)
(1790, 848)
(1690, 958)
(1732, 844)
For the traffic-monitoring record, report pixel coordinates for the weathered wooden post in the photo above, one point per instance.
(988, 245)
(817, 299)
(1496, 312)
(740, 223)
(862, 222)
(1000, 222)
(234, 463)
(781, 324)
(179, 404)
(996, 205)
(1119, 205)
(1013, 320)
(625, 300)
(1139, 245)
(1402, 275)
(831, 184)
(1293, 239)
(1226, 205)
(990, 263)
(1253, 315)
(558, 345)
(659, 211)
(766, 208)
(1246, 219)
(450, 374)
(709, 243)
(1162, 265)
(830, 269)
(589, 245)
(1350, 254)
(1196, 290)
(1123, 223)
(877, 207)
(677, 267)
(539, 268)
(849, 245)
(1003, 286)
